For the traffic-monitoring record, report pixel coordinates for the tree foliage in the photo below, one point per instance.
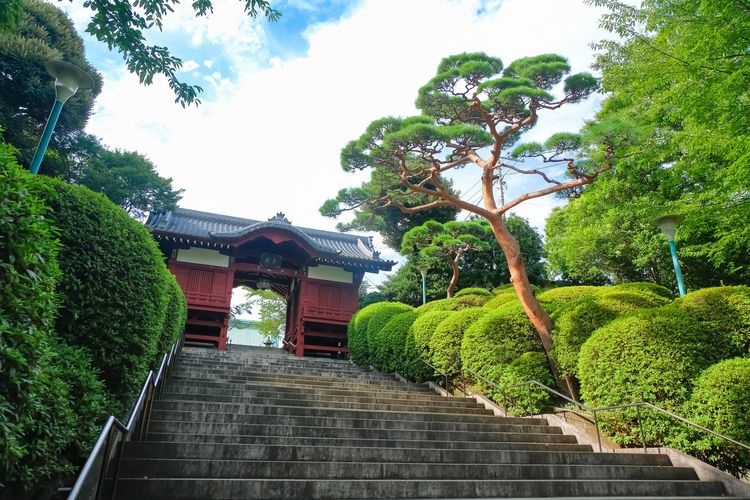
(27, 92)
(472, 111)
(450, 242)
(681, 71)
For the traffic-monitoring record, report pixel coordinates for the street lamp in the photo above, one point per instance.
(68, 79)
(668, 225)
(423, 269)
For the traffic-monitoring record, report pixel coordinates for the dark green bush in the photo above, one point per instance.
(363, 326)
(496, 339)
(36, 421)
(575, 324)
(445, 343)
(526, 399)
(725, 311)
(175, 315)
(720, 402)
(652, 355)
(389, 342)
(472, 291)
(417, 344)
(114, 294)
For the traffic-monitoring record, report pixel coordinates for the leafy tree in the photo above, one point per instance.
(130, 180)
(271, 311)
(450, 242)
(472, 111)
(681, 70)
(405, 285)
(27, 92)
(389, 221)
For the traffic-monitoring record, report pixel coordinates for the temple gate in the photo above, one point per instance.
(317, 272)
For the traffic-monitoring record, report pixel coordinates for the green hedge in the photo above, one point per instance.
(725, 311)
(574, 325)
(525, 399)
(113, 287)
(497, 339)
(556, 299)
(652, 355)
(446, 339)
(363, 326)
(389, 341)
(721, 402)
(175, 314)
(473, 291)
(503, 297)
(36, 420)
(643, 287)
(417, 345)
(455, 303)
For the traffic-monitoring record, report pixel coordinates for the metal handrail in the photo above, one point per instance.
(137, 426)
(593, 410)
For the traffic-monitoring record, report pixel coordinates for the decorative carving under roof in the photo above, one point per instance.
(280, 217)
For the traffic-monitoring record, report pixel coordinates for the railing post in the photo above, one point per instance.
(640, 427)
(598, 433)
(528, 411)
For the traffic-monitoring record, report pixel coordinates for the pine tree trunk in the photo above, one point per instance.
(520, 280)
(454, 277)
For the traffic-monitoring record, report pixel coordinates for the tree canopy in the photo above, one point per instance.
(681, 72)
(473, 110)
(123, 25)
(43, 33)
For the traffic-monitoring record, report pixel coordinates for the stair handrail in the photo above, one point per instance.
(115, 433)
(593, 410)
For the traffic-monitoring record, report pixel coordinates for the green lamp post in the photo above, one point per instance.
(668, 225)
(423, 268)
(68, 79)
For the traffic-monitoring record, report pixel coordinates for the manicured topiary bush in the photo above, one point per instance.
(574, 325)
(363, 326)
(417, 345)
(472, 291)
(435, 305)
(556, 299)
(36, 420)
(175, 314)
(113, 290)
(720, 401)
(498, 338)
(525, 399)
(652, 355)
(388, 342)
(445, 343)
(501, 298)
(643, 287)
(725, 311)
(455, 303)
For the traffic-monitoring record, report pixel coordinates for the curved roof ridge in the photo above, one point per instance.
(274, 224)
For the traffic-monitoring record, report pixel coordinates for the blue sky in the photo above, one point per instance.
(282, 99)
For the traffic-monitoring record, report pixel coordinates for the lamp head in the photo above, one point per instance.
(423, 268)
(668, 224)
(68, 79)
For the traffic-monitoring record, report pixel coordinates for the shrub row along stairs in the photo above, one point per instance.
(261, 424)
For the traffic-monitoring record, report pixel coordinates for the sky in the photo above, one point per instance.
(282, 99)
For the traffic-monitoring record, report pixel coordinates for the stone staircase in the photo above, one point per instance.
(258, 424)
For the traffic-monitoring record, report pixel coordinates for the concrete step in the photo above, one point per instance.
(282, 387)
(194, 468)
(538, 442)
(271, 489)
(342, 433)
(192, 451)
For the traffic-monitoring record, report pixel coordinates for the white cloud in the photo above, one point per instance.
(269, 139)
(189, 66)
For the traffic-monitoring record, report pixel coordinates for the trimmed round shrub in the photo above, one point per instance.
(555, 300)
(365, 323)
(388, 342)
(650, 355)
(435, 305)
(496, 339)
(472, 291)
(525, 399)
(643, 287)
(455, 303)
(725, 311)
(113, 290)
(445, 343)
(720, 402)
(503, 297)
(417, 345)
(576, 324)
